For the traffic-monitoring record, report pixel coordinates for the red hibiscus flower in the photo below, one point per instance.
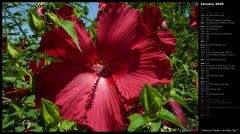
(99, 86)
(152, 17)
(36, 68)
(194, 18)
(13, 93)
(102, 5)
(177, 110)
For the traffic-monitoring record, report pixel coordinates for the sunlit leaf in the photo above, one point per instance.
(50, 113)
(137, 122)
(35, 22)
(13, 51)
(167, 115)
(151, 100)
(155, 126)
(68, 26)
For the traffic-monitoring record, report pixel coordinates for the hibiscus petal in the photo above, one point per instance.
(194, 18)
(82, 96)
(59, 44)
(99, 108)
(65, 11)
(53, 78)
(143, 64)
(167, 41)
(151, 16)
(119, 27)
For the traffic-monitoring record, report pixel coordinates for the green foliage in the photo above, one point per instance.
(167, 115)
(35, 22)
(151, 100)
(50, 113)
(137, 123)
(13, 51)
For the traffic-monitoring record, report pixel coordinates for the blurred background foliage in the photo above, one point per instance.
(19, 45)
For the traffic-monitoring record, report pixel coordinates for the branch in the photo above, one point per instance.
(14, 20)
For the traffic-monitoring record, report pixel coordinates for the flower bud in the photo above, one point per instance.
(35, 22)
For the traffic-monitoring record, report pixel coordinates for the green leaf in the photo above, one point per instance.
(13, 51)
(9, 79)
(67, 126)
(85, 10)
(167, 115)
(68, 26)
(20, 129)
(35, 22)
(137, 122)
(151, 100)
(180, 100)
(49, 113)
(9, 123)
(186, 68)
(29, 101)
(31, 114)
(38, 129)
(155, 126)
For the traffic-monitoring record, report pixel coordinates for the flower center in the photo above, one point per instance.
(100, 70)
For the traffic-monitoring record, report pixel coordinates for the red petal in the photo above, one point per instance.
(103, 113)
(41, 64)
(65, 11)
(143, 64)
(33, 66)
(102, 5)
(82, 96)
(54, 78)
(119, 27)
(151, 15)
(59, 44)
(167, 41)
(10, 92)
(23, 92)
(194, 18)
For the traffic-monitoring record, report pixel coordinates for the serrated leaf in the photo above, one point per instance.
(13, 51)
(167, 115)
(137, 122)
(151, 100)
(180, 100)
(66, 126)
(68, 26)
(50, 113)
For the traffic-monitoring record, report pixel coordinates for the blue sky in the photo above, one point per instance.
(93, 9)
